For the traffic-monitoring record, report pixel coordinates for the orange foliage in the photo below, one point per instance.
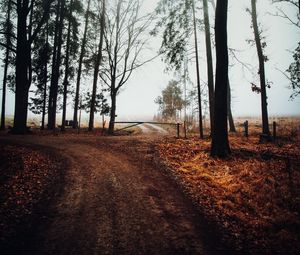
(253, 196)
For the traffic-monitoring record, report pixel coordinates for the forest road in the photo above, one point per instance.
(115, 200)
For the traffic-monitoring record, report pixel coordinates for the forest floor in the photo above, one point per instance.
(91, 194)
(253, 197)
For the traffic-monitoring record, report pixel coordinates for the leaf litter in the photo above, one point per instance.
(25, 182)
(253, 197)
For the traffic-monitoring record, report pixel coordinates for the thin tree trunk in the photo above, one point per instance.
(113, 108)
(198, 75)
(55, 69)
(7, 53)
(54, 57)
(30, 27)
(4, 90)
(67, 66)
(96, 70)
(82, 54)
(113, 89)
(264, 105)
(45, 77)
(220, 144)
(210, 72)
(230, 117)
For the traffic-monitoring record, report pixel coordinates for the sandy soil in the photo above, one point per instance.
(115, 200)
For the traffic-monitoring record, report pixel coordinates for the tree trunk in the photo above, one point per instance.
(113, 88)
(220, 144)
(56, 67)
(22, 69)
(230, 117)
(45, 77)
(96, 70)
(4, 90)
(30, 27)
(82, 54)
(67, 66)
(113, 108)
(261, 59)
(6, 64)
(54, 57)
(210, 72)
(25, 37)
(198, 74)
(44, 99)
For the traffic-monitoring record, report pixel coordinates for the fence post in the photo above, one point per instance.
(246, 125)
(274, 130)
(178, 130)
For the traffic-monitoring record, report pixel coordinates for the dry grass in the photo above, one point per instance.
(253, 196)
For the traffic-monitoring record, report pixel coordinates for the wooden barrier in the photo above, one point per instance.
(274, 130)
(136, 123)
(246, 126)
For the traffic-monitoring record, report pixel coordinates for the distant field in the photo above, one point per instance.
(286, 126)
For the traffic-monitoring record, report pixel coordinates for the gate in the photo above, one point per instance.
(136, 123)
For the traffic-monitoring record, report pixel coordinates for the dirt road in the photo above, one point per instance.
(115, 200)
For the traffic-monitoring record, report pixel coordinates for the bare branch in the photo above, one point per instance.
(8, 47)
(8, 34)
(137, 66)
(283, 15)
(293, 2)
(247, 66)
(124, 42)
(283, 73)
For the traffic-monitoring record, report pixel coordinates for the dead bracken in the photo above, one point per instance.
(253, 196)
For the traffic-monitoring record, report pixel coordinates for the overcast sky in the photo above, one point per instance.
(281, 37)
(137, 99)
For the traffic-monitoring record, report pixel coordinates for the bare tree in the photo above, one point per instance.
(124, 43)
(261, 59)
